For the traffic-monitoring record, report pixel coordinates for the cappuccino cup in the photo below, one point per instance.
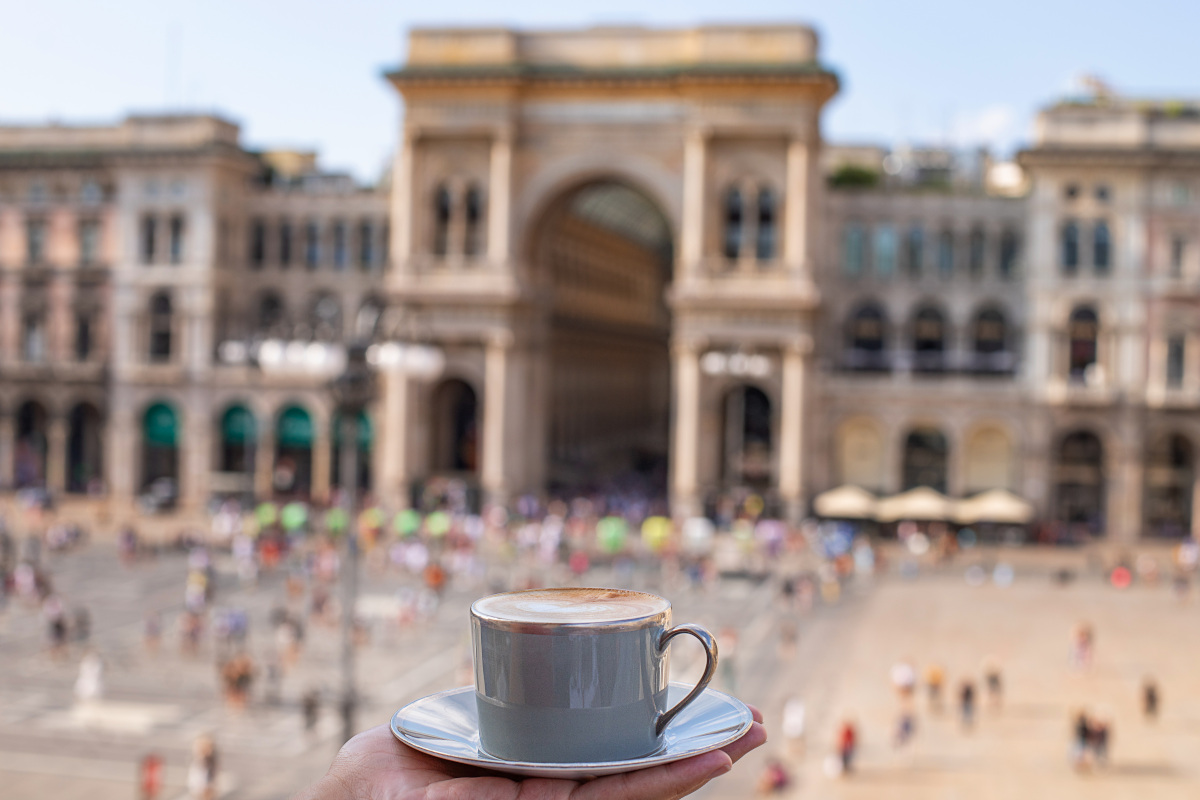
(576, 675)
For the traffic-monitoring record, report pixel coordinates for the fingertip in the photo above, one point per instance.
(754, 712)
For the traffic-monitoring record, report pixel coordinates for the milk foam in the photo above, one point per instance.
(570, 605)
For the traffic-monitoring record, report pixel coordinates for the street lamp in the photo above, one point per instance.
(353, 390)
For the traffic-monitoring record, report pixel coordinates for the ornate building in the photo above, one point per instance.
(637, 265)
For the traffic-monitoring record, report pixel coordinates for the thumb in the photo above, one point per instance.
(658, 783)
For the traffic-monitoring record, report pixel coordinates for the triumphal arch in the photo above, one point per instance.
(608, 234)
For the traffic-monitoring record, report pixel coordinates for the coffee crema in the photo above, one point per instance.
(567, 606)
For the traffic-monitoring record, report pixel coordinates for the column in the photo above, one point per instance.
(685, 500)
(796, 206)
(122, 454)
(7, 434)
(499, 198)
(195, 457)
(56, 454)
(392, 440)
(1196, 508)
(691, 250)
(495, 387)
(402, 198)
(322, 452)
(264, 461)
(791, 427)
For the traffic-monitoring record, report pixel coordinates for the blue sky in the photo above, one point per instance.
(306, 73)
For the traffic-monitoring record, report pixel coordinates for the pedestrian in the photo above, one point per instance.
(202, 772)
(89, 686)
(847, 744)
(1082, 646)
(966, 704)
(150, 776)
(994, 682)
(906, 726)
(935, 678)
(56, 625)
(1081, 740)
(152, 632)
(311, 706)
(793, 726)
(1150, 699)
(1098, 736)
(904, 677)
(774, 778)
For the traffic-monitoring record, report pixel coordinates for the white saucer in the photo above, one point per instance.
(446, 725)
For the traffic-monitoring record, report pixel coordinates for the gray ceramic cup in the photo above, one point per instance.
(576, 675)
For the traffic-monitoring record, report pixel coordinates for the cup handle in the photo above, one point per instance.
(710, 652)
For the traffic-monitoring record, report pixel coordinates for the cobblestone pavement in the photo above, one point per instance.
(52, 747)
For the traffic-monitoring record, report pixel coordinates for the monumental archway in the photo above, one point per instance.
(601, 257)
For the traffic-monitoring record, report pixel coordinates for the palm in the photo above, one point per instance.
(374, 766)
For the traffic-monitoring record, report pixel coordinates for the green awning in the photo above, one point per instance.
(365, 434)
(237, 426)
(295, 428)
(160, 426)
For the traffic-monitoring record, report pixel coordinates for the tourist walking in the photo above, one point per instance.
(1081, 740)
(966, 704)
(1150, 699)
(994, 681)
(202, 773)
(847, 744)
(935, 678)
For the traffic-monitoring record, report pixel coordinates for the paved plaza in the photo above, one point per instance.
(52, 746)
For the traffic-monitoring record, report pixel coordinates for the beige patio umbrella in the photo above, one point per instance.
(845, 502)
(921, 503)
(995, 505)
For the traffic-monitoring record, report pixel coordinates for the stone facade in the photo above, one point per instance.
(638, 265)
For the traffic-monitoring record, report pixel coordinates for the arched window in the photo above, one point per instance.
(990, 332)
(925, 459)
(1008, 254)
(473, 214)
(239, 434)
(29, 455)
(1082, 331)
(914, 251)
(85, 442)
(1101, 247)
(945, 254)
(160, 452)
(1070, 247)
(975, 252)
(270, 313)
(733, 223)
(866, 338)
(441, 221)
(765, 244)
(161, 323)
(326, 317)
(929, 339)
(293, 452)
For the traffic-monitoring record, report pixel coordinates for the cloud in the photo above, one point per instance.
(995, 126)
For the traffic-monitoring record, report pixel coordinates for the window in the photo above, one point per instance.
(885, 251)
(270, 312)
(312, 245)
(853, 249)
(765, 235)
(175, 244)
(1008, 254)
(285, 244)
(33, 338)
(149, 239)
(1175, 354)
(915, 251)
(473, 211)
(35, 241)
(1082, 333)
(91, 193)
(975, 252)
(1071, 191)
(89, 241)
(339, 246)
(1102, 193)
(83, 336)
(945, 254)
(1181, 194)
(366, 248)
(326, 317)
(866, 339)
(1178, 250)
(258, 243)
(1101, 247)
(990, 332)
(928, 340)
(1070, 247)
(160, 328)
(733, 224)
(441, 221)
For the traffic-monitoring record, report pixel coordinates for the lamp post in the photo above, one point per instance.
(352, 392)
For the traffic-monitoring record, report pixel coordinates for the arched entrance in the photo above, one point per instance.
(1079, 480)
(239, 434)
(29, 456)
(293, 453)
(455, 428)
(602, 255)
(925, 457)
(160, 449)
(747, 438)
(84, 455)
(1170, 478)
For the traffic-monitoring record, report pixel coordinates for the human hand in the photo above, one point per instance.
(375, 766)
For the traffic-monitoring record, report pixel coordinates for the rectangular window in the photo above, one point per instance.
(885, 251)
(1101, 247)
(975, 253)
(366, 250)
(945, 254)
(89, 241)
(83, 337)
(1008, 254)
(853, 250)
(175, 245)
(149, 239)
(35, 241)
(1175, 354)
(285, 244)
(258, 243)
(312, 246)
(1178, 250)
(914, 260)
(1070, 247)
(33, 339)
(339, 245)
